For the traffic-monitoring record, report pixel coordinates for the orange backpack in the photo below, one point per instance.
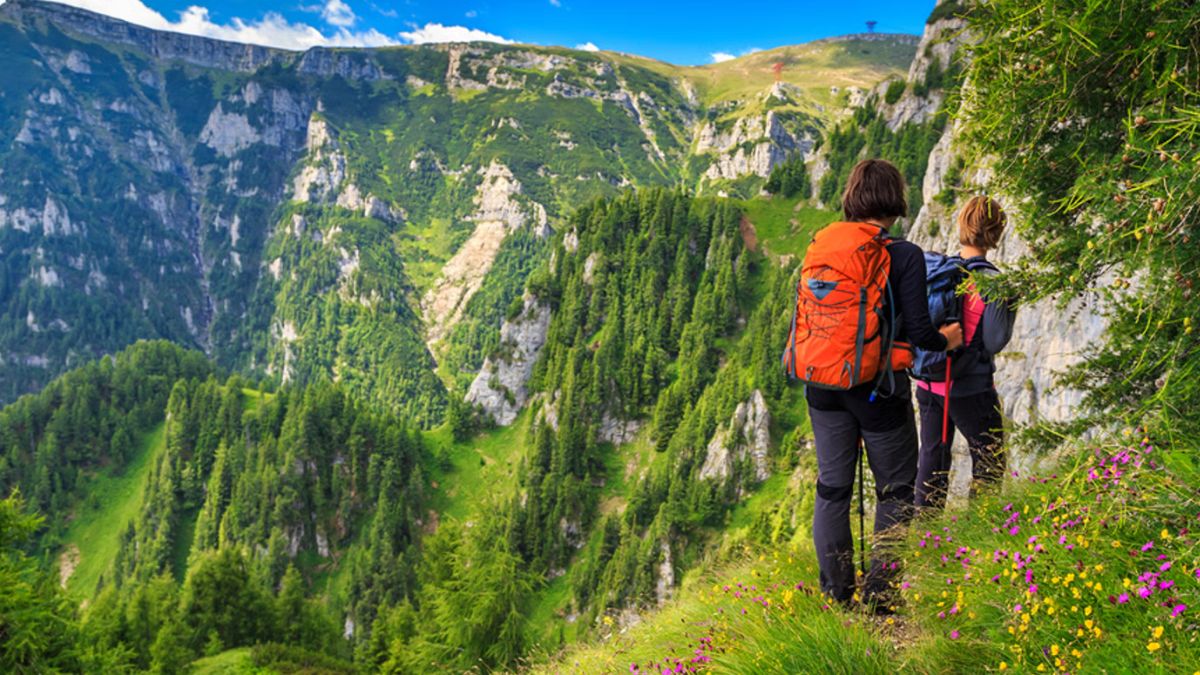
(840, 337)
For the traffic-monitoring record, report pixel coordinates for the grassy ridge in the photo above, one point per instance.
(114, 498)
(814, 67)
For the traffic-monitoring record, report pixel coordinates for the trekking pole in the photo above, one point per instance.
(862, 509)
(946, 401)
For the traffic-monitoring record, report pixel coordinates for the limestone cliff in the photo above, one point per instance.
(500, 388)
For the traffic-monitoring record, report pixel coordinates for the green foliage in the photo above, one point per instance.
(866, 134)
(1093, 125)
(789, 179)
(50, 441)
(222, 601)
(36, 623)
(895, 90)
(288, 659)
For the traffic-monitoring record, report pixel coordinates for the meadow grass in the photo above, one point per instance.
(480, 467)
(225, 663)
(114, 498)
(785, 226)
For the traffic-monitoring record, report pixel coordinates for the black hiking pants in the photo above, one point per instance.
(887, 425)
(978, 417)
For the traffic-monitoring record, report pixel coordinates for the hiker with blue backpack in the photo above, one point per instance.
(861, 305)
(964, 377)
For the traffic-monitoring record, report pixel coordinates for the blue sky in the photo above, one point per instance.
(677, 31)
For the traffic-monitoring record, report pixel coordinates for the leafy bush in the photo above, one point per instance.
(895, 90)
(1093, 125)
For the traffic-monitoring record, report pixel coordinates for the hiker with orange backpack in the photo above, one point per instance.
(860, 304)
(966, 377)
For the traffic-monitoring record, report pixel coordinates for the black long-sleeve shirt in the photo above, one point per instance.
(911, 295)
(913, 325)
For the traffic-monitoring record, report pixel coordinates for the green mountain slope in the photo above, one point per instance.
(361, 215)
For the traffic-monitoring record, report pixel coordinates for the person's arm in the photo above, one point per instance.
(998, 319)
(912, 299)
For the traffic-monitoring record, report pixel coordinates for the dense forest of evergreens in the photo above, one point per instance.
(258, 503)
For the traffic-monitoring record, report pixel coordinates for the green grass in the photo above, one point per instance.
(113, 499)
(232, 661)
(112, 503)
(785, 226)
(814, 68)
(480, 467)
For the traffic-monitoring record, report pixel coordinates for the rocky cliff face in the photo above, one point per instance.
(752, 145)
(744, 442)
(158, 44)
(500, 211)
(500, 388)
(923, 97)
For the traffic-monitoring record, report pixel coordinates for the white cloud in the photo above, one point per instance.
(436, 32)
(338, 13)
(588, 47)
(272, 30)
(556, 3)
(721, 57)
(471, 14)
(389, 13)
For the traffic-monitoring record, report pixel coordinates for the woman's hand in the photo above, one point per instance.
(954, 335)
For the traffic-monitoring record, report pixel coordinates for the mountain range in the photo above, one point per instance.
(365, 215)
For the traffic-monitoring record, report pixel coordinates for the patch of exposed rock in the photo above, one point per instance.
(324, 179)
(615, 430)
(747, 437)
(68, 560)
(500, 210)
(938, 44)
(753, 145)
(665, 583)
(228, 133)
(500, 388)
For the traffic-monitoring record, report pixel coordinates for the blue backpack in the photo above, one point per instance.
(943, 275)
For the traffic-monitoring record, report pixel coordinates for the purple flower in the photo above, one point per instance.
(1147, 546)
(1122, 598)
(954, 634)
(1177, 610)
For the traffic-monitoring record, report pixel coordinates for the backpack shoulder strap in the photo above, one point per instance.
(980, 264)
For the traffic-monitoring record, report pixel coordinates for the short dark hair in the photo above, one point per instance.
(874, 191)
